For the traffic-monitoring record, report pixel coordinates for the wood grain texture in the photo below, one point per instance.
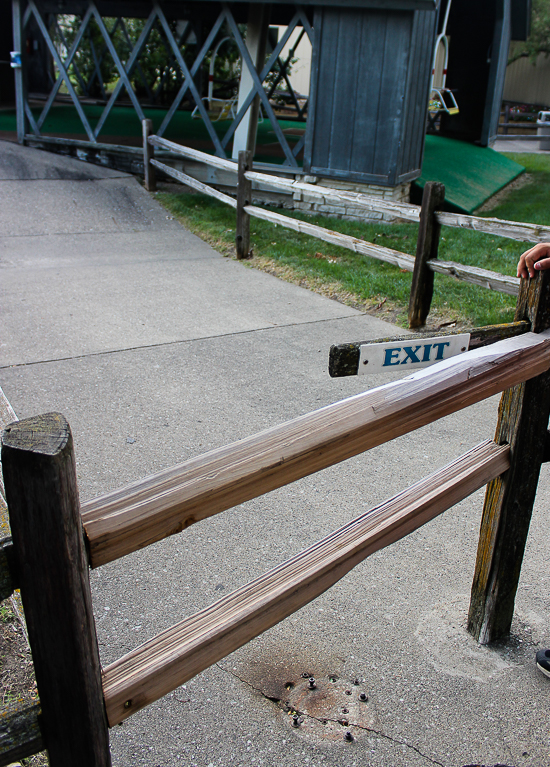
(401, 260)
(7, 416)
(166, 503)
(523, 424)
(500, 227)
(514, 230)
(344, 358)
(326, 195)
(471, 274)
(427, 245)
(41, 489)
(95, 146)
(20, 734)
(193, 154)
(8, 579)
(150, 179)
(244, 198)
(194, 184)
(171, 658)
(502, 283)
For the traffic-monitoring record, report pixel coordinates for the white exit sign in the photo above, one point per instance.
(410, 355)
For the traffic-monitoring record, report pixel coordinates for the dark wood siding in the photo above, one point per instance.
(416, 102)
(369, 94)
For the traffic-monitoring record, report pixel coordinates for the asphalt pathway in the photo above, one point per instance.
(156, 349)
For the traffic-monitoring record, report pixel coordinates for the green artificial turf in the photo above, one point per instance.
(123, 122)
(471, 173)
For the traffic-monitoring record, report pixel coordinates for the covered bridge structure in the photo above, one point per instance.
(91, 70)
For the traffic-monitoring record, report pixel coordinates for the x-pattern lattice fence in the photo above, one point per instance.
(124, 56)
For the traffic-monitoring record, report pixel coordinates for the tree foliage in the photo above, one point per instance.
(539, 38)
(157, 74)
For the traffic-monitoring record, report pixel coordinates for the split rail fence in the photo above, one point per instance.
(56, 539)
(429, 216)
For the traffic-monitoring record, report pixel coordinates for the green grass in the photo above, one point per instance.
(371, 285)
(6, 613)
(531, 202)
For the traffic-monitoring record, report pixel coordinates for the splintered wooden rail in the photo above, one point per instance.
(180, 653)
(474, 275)
(57, 539)
(515, 230)
(79, 699)
(164, 504)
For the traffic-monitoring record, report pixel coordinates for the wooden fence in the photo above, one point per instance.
(56, 539)
(428, 215)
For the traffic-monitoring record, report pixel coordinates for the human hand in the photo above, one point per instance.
(534, 260)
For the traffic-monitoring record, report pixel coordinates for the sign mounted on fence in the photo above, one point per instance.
(413, 354)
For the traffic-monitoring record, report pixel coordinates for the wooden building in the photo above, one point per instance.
(368, 95)
(371, 65)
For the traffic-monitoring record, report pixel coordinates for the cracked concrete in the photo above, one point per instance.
(158, 349)
(351, 726)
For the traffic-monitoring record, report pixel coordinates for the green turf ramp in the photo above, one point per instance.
(471, 173)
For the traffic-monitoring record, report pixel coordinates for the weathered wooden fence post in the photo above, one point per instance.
(427, 245)
(149, 174)
(52, 568)
(523, 424)
(244, 197)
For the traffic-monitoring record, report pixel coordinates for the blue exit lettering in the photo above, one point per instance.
(420, 353)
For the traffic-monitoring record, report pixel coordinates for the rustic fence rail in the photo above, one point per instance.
(523, 232)
(429, 216)
(58, 538)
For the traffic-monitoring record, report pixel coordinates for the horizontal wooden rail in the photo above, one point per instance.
(471, 274)
(519, 136)
(193, 154)
(152, 509)
(502, 283)
(327, 195)
(180, 653)
(344, 358)
(514, 230)
(394, 257)
(401, 209)
(20, 734)
(194, 184)
(31, 138)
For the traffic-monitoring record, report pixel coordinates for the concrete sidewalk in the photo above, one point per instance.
(157, 349)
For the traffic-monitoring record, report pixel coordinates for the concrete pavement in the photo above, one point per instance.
(157, 349)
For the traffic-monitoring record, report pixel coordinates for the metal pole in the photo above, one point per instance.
(18, 64)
